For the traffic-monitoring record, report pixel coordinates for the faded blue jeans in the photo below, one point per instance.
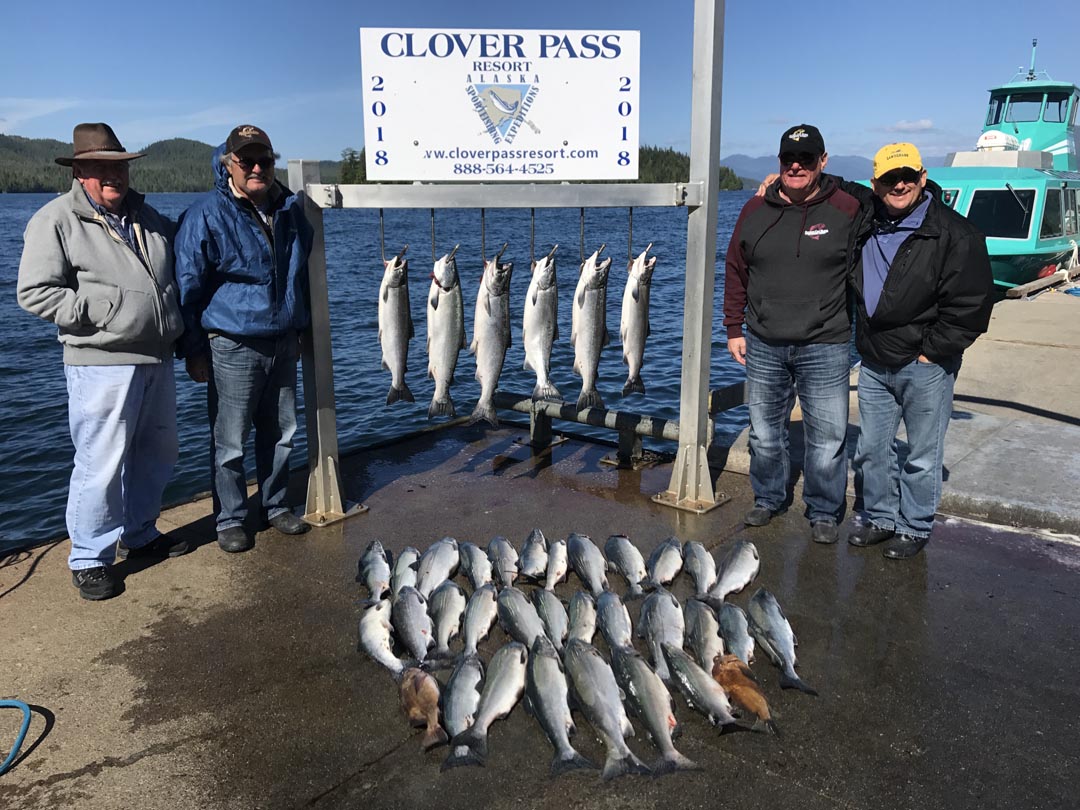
(903, 498)
(818, 372)
(123, 426)
(252, 384)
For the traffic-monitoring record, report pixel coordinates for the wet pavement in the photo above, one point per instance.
(220, 681)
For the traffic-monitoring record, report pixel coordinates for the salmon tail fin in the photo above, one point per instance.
(434, 737)
(589, 399)
(476, 740)
(402, 394)
(461, 755)
(441, 407)
(615, 767)
(633, 385)
(674, 762)
(572, 761)
(767, 726)
(546, 393)
(484, 413)
(793, 681)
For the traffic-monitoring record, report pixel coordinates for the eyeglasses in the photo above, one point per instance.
(247, 164)
(807, 160)
(904, 175)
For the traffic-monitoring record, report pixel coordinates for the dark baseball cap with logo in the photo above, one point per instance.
(246, 135)
(802, 138)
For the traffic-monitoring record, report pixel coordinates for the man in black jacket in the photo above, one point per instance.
(786, 282)
(923, 289)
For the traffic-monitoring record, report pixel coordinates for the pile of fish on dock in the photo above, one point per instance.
(491, 327)
(550, 661)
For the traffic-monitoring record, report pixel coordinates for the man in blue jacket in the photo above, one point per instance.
(241, 265)
(923, 292)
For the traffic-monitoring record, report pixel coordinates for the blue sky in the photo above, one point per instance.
(866, 73)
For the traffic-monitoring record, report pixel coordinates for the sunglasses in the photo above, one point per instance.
(807, 160)
(247, 164)
(904, 175)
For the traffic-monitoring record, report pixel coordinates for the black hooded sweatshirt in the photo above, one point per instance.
(786, 269)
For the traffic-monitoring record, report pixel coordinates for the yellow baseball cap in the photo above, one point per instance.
(896, 156)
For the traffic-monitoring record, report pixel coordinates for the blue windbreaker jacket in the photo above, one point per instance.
(231, 279)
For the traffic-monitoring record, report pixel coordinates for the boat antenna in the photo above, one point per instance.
(1031, 70)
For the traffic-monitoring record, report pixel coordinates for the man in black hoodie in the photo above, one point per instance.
(923, 289)
(786, 282)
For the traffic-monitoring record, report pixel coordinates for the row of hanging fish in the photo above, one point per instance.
(415, 601)
(492, 327)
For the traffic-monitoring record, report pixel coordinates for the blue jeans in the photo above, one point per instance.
(253, 384)
(903, 498)
(123, 426)
(818, 372)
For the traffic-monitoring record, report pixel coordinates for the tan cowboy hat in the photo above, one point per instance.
(97, 142)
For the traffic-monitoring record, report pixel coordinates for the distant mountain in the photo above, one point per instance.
(850, 167)
(177, 164)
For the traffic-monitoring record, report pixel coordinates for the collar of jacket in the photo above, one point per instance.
(931, 224)
(133, 201)
(827, 188)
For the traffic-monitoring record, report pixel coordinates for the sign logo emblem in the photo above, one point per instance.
(798, 135)
(247, 132)
(502, 107)
(815, 232)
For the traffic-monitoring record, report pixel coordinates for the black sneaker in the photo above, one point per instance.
(869, 535)
(95, 583)
(758, 516)
(234, 539)
(159, 548)
(824, 532)
(288, 523)
(904, 546)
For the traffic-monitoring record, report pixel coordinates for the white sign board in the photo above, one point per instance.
(460, 105)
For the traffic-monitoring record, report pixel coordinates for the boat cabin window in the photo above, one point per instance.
(1051, 222)
(997, 105)
(1071, 223)
(1024, 107)
(1057, 107)
(1000, 213)
(949, 196)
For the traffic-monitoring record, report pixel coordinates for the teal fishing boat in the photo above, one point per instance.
(1021, 184)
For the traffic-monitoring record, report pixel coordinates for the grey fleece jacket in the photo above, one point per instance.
(111, 307)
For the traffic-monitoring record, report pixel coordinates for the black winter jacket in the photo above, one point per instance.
(787, 267)
(937, 296)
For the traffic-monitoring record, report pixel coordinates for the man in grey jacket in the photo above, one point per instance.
(98, 263)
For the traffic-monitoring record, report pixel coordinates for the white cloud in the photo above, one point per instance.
(922, 125)
(14, 112)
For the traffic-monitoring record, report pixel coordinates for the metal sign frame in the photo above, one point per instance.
(691, 486)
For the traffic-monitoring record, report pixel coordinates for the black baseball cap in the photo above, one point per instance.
(246, 135)
(802, 138)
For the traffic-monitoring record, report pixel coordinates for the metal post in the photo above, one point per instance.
(325, 501)
(691, 484)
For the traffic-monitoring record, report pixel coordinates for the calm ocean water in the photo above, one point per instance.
(36, 457)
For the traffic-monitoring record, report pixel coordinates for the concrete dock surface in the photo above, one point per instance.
(233, 681)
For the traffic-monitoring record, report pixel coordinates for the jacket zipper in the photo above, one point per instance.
(144, 263)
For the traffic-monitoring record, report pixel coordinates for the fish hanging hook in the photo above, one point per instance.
(382, 240)
(433, 236)
(532, 237)
(483, 249)
(581, 235)
(630, 238)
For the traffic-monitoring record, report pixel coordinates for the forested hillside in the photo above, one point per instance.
(180, 164)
